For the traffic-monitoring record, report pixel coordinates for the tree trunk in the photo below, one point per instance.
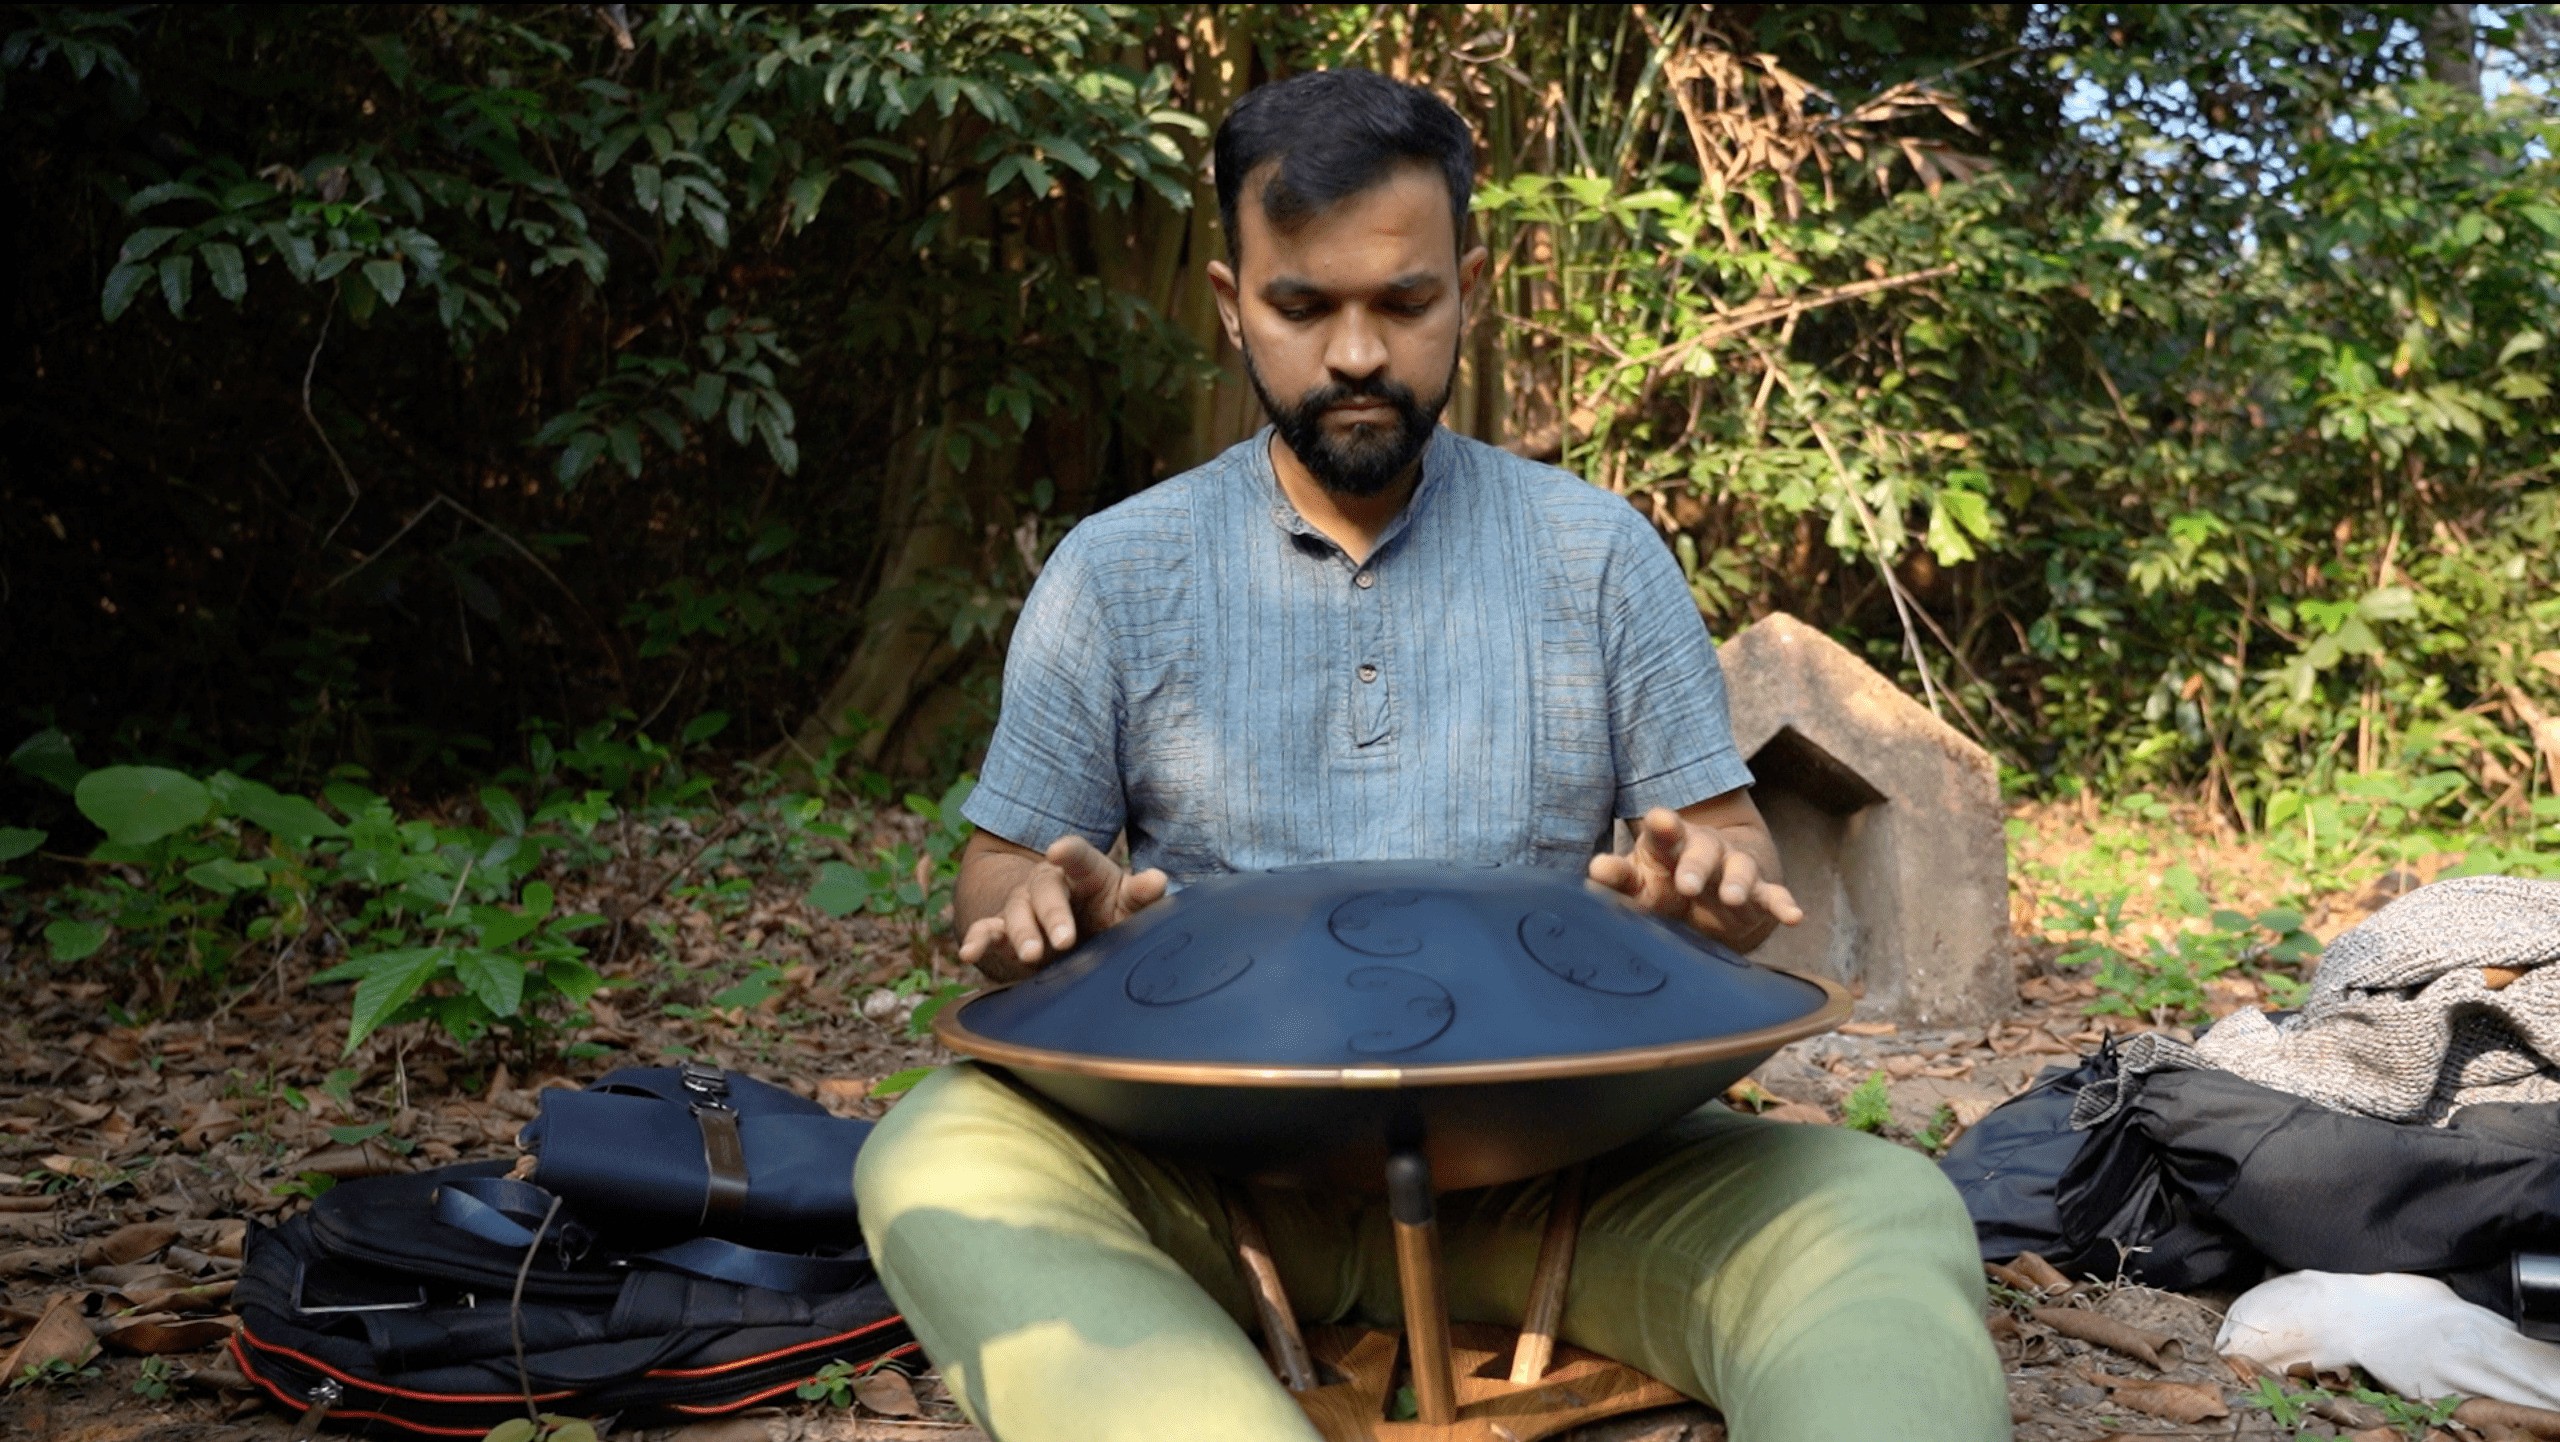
(2453, 48)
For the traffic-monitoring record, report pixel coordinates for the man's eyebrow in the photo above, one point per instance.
(1290, 287)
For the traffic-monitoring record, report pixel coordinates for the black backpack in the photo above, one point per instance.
(437, 1303)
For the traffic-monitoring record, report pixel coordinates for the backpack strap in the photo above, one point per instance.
(507, 1212)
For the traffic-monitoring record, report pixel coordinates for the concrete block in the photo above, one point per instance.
(1888, 822)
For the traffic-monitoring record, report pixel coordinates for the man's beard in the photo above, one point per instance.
(1371, 458)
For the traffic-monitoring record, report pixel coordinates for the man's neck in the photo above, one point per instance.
(1352, 522)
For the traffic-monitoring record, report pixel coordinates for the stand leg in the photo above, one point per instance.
(1262, 1277)
(1426, 1303)
(1545, 1311)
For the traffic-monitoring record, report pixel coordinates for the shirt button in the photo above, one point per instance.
(1364, 580)
(1368, 673)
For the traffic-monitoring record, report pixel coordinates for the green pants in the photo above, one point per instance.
(1812, 1283)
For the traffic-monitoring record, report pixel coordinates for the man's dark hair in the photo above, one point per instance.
(1335, 133)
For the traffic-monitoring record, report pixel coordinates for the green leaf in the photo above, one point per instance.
(388, 279)
(47, 757)
(75, 940)
(496, 981)
(505, 812)
(899, 1083)
(356, 1135)
(17, 841)
(573, 979)
(139, 804)
(514, 1429)
(388, 980)
(705, 726)
(177, 281)
(538, 899)
(226, 877)
(840, 890)
(230, 274)
(506, 928)
(123, 284)
(288, 818)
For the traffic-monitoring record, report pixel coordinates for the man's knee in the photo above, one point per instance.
(963, 1140)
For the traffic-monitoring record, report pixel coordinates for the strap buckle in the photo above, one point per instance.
(708, 1084)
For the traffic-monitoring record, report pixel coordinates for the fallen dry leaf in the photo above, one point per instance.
(221, 1238)
(844, 1095)
(1868, 1028)
(2046, 1276)
(2156, 1350)
(348, 1163)
(206, 1297)
(23, 1205)
(2480, 1414)
(125, 1244)
(2173, 1401)
(159, 1334)
(59, 1335)
(87, 1169)
(1803, 1112)
(887, 1392)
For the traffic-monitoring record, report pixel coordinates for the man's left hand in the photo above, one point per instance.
(1701, 873)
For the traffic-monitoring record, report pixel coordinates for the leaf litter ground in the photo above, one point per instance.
(134, 1159)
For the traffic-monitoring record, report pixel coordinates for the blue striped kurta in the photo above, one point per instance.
(1517, 663)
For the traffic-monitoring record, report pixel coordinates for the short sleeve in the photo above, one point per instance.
(1053, 768)
(1669, 728)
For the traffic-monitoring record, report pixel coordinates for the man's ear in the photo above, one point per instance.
(1470, 275)
(1222, 284)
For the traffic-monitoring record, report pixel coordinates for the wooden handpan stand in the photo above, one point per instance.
(1470, 1382)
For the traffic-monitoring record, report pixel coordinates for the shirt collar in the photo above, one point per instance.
(1439, 457)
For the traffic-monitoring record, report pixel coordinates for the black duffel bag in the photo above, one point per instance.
(657, 1153)
(441, 1303)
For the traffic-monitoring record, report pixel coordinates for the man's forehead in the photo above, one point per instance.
(1396, 234)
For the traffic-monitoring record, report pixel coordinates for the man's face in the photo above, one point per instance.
(1350, 323)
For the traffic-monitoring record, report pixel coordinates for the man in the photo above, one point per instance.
(1358, 635)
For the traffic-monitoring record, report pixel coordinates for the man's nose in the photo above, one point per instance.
(1357, 349)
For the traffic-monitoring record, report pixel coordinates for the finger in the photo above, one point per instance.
(1616, 873)
(1022, 931)
(1051, 908)
(1705, 850)
(984, 932)
(1741, 873)
(1089, 874)
(1660, 836)
(1143, 890)
(1778, 902)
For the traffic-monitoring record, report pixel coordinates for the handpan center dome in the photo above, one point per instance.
(1290, 1025)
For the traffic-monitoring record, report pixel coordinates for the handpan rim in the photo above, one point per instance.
(950, 1028)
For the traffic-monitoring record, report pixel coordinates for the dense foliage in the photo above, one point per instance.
(396, 392)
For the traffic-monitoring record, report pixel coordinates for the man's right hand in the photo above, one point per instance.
(1031, 908)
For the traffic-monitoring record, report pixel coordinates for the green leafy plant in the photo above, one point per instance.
(157, 1381)
(832, 1385)
(1869, 1106)
(910, 880)
(53, 1373)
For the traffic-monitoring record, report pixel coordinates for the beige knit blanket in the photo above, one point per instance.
(2446, 997)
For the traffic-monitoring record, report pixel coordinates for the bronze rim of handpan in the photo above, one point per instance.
(955, 1034)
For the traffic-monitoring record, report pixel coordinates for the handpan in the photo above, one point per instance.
(1296, 1026)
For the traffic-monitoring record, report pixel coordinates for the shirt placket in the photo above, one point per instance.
(1372, 687)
